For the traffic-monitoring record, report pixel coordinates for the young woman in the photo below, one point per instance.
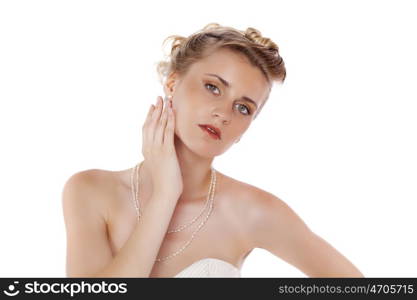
(173, 214)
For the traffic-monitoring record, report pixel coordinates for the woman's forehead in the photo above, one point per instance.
(225, 58)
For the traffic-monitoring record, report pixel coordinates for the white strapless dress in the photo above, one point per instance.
(209, 267)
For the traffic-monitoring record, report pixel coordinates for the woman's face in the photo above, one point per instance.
(200, 97)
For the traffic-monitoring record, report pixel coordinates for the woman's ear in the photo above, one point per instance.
(169, 86)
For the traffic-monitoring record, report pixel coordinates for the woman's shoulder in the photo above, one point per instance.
(91, 180)
(254, 209)
(251, 202)
(265, 216)
(93, 187)
(249, 193)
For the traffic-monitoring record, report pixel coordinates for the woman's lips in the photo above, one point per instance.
(213, 135)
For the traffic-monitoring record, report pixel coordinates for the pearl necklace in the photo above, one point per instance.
(137, 205)
(209, 202)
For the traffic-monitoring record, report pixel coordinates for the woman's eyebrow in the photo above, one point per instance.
(227, 84)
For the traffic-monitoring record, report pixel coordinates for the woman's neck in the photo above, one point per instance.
(195, 170)
(196, 173)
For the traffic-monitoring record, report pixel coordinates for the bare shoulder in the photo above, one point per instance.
(256, 201)
(264, 213)
(90, 188)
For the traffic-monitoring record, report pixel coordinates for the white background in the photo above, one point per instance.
(336, 142)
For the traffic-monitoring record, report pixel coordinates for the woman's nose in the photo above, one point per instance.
(223, 116)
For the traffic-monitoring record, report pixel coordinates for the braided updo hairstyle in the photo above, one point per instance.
(261, 51)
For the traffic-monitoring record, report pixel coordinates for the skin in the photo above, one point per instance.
(244, 217)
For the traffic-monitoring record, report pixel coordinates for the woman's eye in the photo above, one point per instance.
(246, 109)
(211, 85)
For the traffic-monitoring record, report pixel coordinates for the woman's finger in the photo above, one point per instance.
(159, 134)
(169, 130)
(150, 111)
(153, 126)
(149, 128)
(148, 116)
(147, 120)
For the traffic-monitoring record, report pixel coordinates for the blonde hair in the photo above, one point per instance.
(261, 51)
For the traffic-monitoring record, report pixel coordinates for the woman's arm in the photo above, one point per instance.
(88, 249)
(276, 228)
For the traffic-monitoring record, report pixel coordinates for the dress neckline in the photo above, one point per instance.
(208, 259)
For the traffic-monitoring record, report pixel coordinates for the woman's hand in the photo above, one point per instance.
(158, 149)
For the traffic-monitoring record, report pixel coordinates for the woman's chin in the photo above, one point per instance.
(203, 150)
(200, 147)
